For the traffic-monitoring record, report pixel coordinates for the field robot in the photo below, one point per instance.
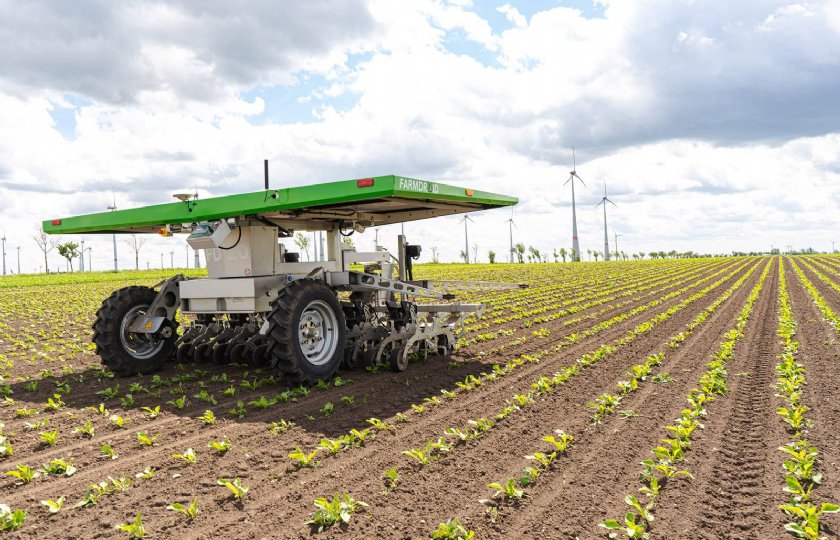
(261, 304)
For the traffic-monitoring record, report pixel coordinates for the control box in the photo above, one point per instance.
(209, 235)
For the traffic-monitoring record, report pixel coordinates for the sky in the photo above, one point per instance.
(714, 125)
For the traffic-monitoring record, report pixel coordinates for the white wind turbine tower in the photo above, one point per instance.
(113, 207)
(511, 225)
(572, 176)
(466, 238)
(604, 201)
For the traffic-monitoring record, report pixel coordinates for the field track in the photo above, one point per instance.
(558, 348)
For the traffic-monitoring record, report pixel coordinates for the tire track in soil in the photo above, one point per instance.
(819, 353)
(735, 461)
(428, 425)
(362, 473)
(584, 480)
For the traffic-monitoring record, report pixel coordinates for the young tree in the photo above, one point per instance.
(555, 255)
(491, 256)
(590, 254)
(136, 244)
(302, 242)
(596, 254)
(464, 256)
(575, 256)
(435, 254)
(535, 253)
(475, 253)
(520, 252)
(45, 244)
(69, 250)
(563, 254)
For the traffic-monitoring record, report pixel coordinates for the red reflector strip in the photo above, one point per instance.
(56, 222)
(469, 192)
(364, 182)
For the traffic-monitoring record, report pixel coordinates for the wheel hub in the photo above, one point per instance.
(317, 332)
(140, 346)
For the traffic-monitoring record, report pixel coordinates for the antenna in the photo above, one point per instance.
(604, 201)
(265, 165)
(466, 238)
(573, 175)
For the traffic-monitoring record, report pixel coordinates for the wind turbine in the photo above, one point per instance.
(113, 207)
(466, 238)
(511, 225)
(572, 176)
(604, 201)
(616, 235)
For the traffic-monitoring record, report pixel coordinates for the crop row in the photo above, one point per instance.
(656, 472)
(801, 475)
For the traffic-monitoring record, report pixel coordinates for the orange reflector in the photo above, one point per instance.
(56, 222)
(364, 182)
(163, 232)
(469, 192)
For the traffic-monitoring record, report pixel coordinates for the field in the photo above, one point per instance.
(702, 368)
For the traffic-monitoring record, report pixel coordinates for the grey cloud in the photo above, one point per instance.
(94, 48)
(712, 74)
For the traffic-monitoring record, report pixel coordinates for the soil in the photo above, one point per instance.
(735, 492)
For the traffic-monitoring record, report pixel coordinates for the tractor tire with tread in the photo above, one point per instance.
(306, 310)
(122, 352)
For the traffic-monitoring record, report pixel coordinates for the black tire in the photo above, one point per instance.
(444, 348)
(305, 302)
(122, 352)
(398, 361)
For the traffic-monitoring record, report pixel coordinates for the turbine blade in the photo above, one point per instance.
(579, 178)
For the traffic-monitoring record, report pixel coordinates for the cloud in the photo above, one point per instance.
(201, 51)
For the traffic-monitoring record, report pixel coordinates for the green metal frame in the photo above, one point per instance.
(396, 198)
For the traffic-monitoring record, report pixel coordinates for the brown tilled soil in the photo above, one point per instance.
(735, 493)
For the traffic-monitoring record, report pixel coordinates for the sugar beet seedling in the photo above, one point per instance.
(261, 304)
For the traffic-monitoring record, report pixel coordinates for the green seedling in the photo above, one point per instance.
(188, 456)
(135, 529)
(208, 418)
(146, 473)
(109, 393)
(152, 413)
(281, 426)
(87, 430)
(48, 438)
(235, 486)
(562, 440)
(220, 446)
(327, 409)
(24, 473)
(379, 425)
(145, 439)
(302, 459)
(57, 467)
(392, 476)
(508, 490)
(190, 511)
(329, 513)
(11, 520)
(452, 530)
(54, 506)
(108, 451)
